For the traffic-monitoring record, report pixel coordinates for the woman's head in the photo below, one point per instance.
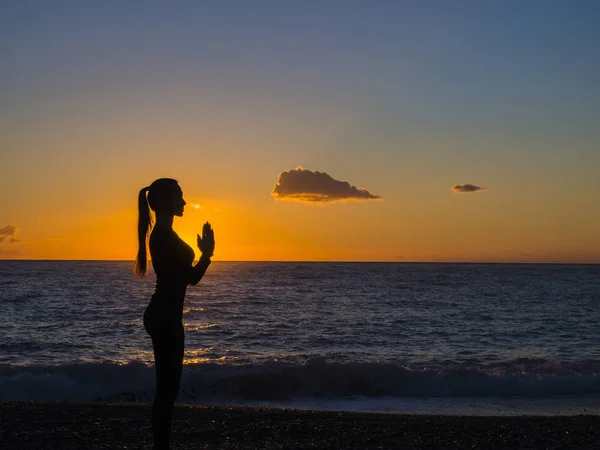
(165, 197)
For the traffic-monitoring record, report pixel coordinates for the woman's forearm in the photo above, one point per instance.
(198, 271)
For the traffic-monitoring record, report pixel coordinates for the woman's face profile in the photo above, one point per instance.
(178, 202)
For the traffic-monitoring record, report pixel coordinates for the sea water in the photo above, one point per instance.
(386, 337)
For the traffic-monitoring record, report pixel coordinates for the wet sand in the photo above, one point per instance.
(125, 425)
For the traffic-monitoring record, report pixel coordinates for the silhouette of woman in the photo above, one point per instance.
(172, 260)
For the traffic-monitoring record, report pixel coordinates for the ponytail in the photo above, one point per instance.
(144, 224)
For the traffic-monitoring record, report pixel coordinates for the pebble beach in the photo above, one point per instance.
(31, 425)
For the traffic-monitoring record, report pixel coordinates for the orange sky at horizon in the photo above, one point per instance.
(86, 214)
(280, 230)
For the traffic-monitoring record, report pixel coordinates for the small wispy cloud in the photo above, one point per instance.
(466, 188)
(517, 252)
(9, 232)
(10, 252)
(194, 205)
(312, 186)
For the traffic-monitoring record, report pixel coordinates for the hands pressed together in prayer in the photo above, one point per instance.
(206, 243)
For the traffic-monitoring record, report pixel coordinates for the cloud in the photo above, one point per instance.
(9, 232)
(517, 252)
(10, 253)
(466, 188)
(316, 187)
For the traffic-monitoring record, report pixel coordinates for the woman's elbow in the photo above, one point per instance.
(195, 278)
(194, 281)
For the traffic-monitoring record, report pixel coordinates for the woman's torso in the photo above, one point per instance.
(171, 260)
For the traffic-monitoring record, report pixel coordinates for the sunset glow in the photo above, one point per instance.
(370, 118)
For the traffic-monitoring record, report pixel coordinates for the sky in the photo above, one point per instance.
(348, 130)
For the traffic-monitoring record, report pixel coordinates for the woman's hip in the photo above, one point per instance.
(162, 320)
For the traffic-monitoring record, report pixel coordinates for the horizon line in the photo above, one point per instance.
(333, 261)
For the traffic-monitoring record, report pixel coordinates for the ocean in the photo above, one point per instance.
(387, 337)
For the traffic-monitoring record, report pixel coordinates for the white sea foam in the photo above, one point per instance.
(315, 380)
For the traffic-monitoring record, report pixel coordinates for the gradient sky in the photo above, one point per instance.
(402, 98)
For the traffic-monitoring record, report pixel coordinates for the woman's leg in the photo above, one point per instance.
(168, 344)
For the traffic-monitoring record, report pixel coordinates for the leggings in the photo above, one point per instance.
(168, 343)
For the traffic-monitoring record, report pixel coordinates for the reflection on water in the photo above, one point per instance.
(55, 312)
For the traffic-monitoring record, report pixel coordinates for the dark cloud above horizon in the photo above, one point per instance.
(517, 252)
(9, 232)
(313, 186)
(466, 188)
(11, 252)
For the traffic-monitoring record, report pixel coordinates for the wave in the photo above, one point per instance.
(315, 378)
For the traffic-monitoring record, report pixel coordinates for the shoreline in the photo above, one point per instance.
(31, 425)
